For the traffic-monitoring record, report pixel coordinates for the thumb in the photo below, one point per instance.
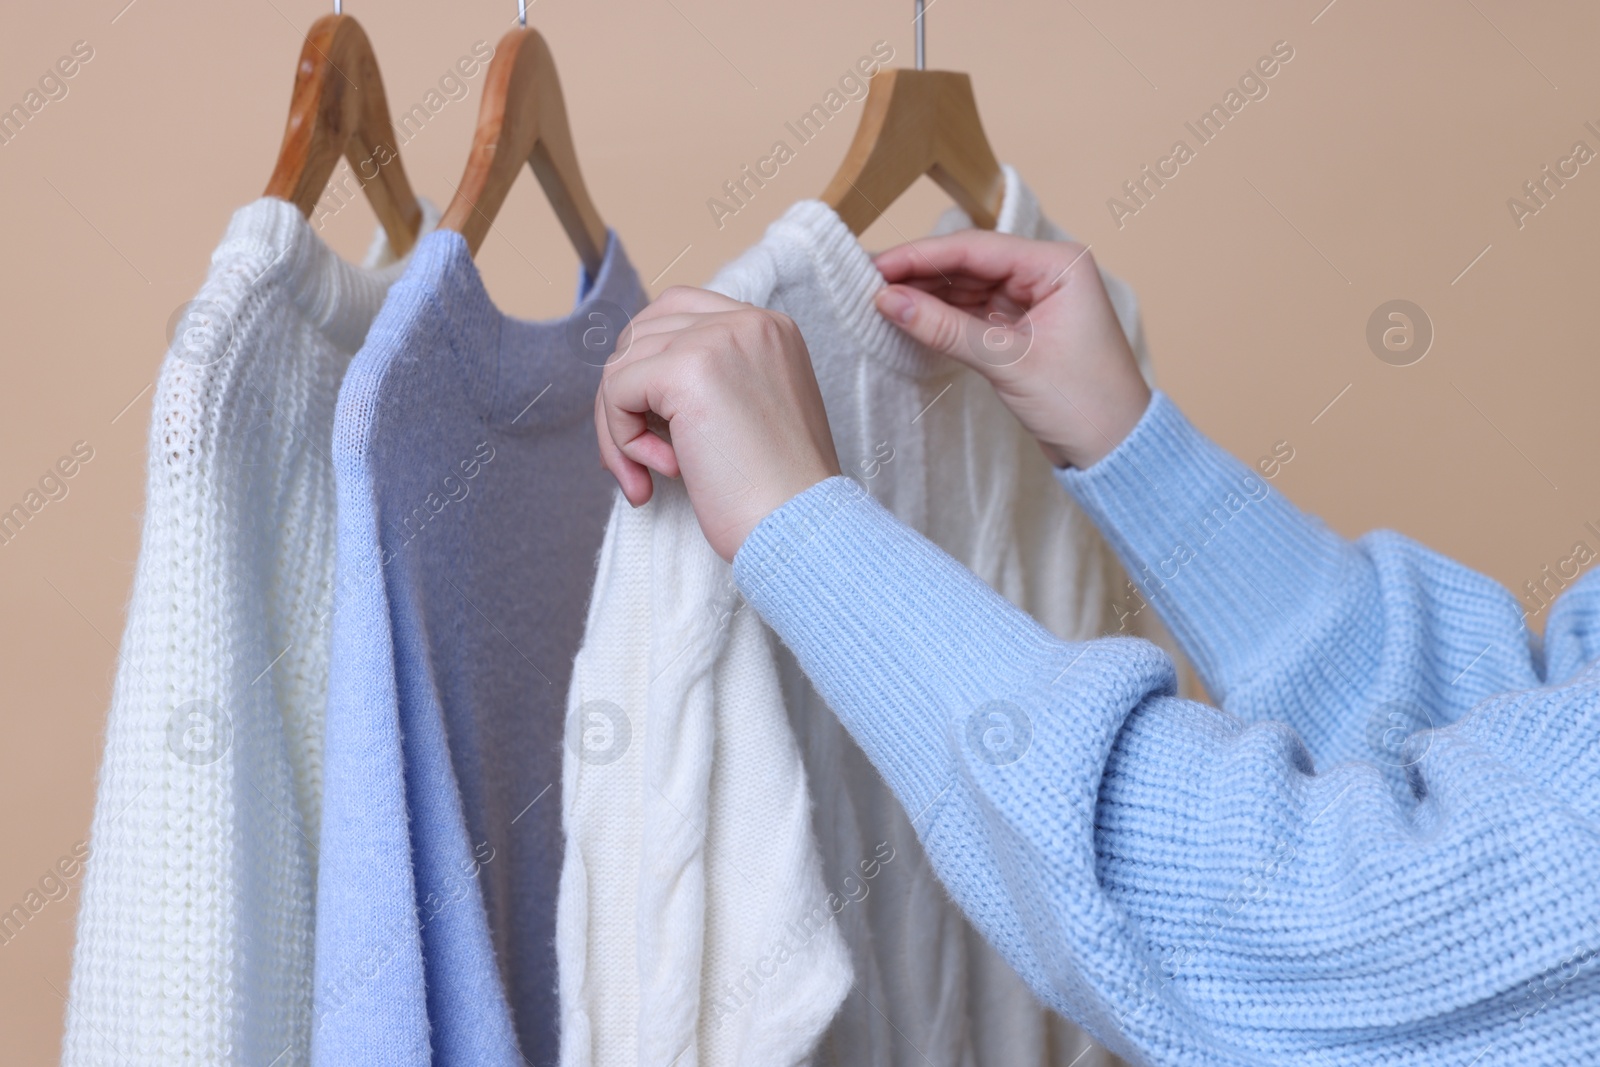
(929, 320)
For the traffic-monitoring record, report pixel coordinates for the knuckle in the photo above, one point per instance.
(674, 298)
(774, 327)
(749, 324)
(693, 357)
(947, 333)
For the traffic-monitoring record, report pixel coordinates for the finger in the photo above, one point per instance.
(632, 477)
(976, 253)
(678, 321)
(956, 291)
(637, 342)
(641, 340)
(628, 396)
(630, 346)
(934, 283)
(678, 299)
(663, 320)
(1027, 270)
(651, 449)
(928, 319)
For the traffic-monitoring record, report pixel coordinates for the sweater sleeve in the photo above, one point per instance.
(1182, 882)
(1283, 618)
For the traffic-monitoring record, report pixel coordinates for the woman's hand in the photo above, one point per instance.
(721, 394)
(1033, 318)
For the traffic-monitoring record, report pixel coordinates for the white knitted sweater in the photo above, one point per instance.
(195, 930)
(715, 907)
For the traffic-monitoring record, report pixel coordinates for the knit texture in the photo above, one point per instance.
(1381, 850)
(194, 934)
(471, 507)
(702, 842)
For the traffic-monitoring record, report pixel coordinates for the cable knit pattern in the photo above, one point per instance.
(1381, 850)
(701, 842)
(195, 932)
(664, 896)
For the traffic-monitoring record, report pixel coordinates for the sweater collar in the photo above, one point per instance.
(508, 361)
(1020, 213)
(850, 279)
(338, 298)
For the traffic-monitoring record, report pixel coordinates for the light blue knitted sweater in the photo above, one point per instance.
(471, 507)
(1382, 849)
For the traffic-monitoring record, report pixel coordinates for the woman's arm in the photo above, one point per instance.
(1283, 618)
(1162, 870)
(1189, 886)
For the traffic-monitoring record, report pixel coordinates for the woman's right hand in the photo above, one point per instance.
(1034, 319)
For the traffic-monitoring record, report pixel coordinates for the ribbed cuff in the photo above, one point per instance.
(900, 639)
(1223, 557)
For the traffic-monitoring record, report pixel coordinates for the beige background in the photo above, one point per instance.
(1377, 167)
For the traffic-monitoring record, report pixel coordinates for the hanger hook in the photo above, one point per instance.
(922, 35)
(522, 11)
(338, 7)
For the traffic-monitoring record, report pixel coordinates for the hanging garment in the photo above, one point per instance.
(471, 508)
(194, 935)
(703, 835)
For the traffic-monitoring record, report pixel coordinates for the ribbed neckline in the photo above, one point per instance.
(339, 298)
(851, 279)
(509, 361)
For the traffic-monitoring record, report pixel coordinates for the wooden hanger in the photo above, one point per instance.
(339, 109)
(523, 119)
(917, 122)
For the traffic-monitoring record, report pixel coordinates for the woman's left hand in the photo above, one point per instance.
(721, 394)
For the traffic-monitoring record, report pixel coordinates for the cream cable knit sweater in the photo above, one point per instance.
(711, 901)
(666, 893)
(195, 930)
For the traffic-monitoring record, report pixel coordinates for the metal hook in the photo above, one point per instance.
(338, 7)
(922, 36)
(522, 11)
